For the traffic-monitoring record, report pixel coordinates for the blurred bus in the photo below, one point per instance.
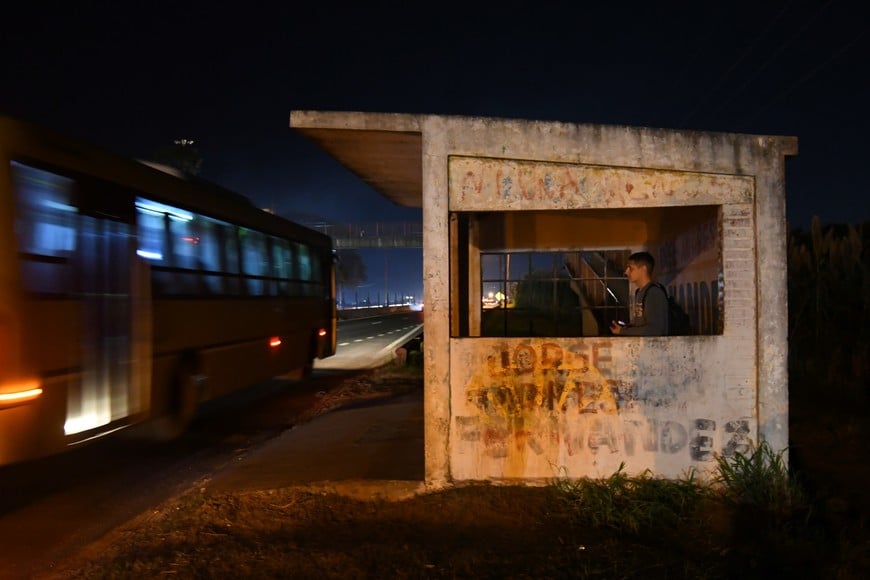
(130, 295)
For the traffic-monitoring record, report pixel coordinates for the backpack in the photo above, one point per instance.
(679, 323)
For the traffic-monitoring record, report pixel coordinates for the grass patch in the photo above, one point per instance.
(632, 504)
(760, 479)
(753, 519)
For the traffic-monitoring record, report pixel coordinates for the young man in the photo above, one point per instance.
(650, 313)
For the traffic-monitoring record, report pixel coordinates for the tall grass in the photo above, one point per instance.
(829, 311)
(760, 480)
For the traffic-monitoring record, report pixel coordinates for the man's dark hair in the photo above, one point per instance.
(644, 258)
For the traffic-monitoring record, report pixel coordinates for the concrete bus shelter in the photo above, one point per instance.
(509, 407)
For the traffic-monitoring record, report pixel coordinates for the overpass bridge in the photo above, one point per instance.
(373, 235)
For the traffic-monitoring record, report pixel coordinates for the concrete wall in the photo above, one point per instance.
(533, 408)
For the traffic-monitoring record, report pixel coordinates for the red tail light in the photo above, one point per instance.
(275, 341)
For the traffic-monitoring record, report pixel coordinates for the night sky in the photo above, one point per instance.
(133, 77)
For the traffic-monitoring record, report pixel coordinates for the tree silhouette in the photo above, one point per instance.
(350, 270)
(182, 154)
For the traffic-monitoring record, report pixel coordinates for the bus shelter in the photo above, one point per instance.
(527, 226)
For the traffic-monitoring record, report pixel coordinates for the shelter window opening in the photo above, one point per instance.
(562, 273)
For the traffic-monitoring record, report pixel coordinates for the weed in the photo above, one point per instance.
(632, 504)
(761, 479)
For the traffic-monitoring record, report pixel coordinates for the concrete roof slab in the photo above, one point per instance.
(385, 150)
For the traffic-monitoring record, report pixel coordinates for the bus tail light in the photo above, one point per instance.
(321, 333)
(275, 341)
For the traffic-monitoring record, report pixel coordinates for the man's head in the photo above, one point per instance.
(640, 268)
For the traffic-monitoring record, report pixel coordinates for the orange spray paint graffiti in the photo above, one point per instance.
(534, 401)
(544, 377)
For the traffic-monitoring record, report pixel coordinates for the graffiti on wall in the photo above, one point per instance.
(546, 376)
(536, 395)
(703, 302)
(478, 183)
(702, 239)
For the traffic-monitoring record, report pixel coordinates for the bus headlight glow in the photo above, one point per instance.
(23, 392)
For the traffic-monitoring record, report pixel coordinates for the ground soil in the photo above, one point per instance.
(490, 531)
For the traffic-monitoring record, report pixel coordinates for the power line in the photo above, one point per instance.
(735, 64)
(803, 79)
(774, 55)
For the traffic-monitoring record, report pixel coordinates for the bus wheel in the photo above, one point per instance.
(183, 402)
(308, 369)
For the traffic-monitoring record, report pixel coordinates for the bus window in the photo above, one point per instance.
(196, 247)
(154, 241)
(230, 259)
(254, 260)
(46, 228)
(294, 287)
(152, 232)
(303, 262)
(209, 253)
(281, 265)
(303, 269)
(185, 242)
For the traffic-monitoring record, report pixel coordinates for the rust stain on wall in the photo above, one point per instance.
(479, 184)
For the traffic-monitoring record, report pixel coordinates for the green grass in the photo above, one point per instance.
(761, 479)
(632, 504)
(753, 518)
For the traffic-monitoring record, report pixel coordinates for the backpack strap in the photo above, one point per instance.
(656, 285)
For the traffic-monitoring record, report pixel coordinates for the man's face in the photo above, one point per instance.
(634, 271)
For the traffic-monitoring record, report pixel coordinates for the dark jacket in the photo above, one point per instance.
(650, 313)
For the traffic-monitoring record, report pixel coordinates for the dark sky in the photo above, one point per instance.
(135, 76)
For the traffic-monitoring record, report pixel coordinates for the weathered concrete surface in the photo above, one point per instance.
(481, 184)
(526, 408)
(534, 408)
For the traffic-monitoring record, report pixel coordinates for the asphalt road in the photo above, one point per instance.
(365, 343)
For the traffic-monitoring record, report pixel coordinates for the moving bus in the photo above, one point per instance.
(129, 295)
